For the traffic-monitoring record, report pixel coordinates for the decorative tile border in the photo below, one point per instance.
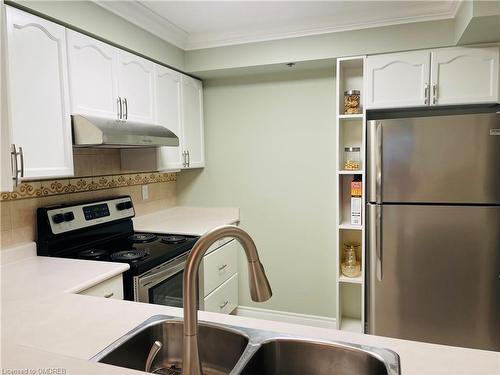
(38, 189)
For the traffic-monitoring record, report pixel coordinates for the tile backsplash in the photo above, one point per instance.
(98, 175)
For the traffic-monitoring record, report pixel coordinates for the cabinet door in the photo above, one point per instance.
(136, 87)
(465, 75)
(92, 76)
(397, 80)
(224, 299)
(219, 266)
(168, 114)
(38, 94)
(192, 122)
(6, 181)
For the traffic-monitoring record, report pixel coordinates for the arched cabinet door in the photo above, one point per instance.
(397, 80)
(93, 76)
(192, 122)
(136, 87)
(168, 114)
(38, 95)
(465, 75)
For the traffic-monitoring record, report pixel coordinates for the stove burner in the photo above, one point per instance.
(93, 254)
(173, 239)
(128, 255)
(143, 237)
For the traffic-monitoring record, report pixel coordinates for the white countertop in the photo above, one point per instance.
(186, 220)
(45, 325)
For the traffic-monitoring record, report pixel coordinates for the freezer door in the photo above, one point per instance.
(439, 159)
(436, 276)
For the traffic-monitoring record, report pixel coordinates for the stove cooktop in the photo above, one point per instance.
(142, 251)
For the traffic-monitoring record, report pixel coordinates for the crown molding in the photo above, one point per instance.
(145, 18)
(227, 38)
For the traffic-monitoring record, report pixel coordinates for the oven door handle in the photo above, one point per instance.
(161, 275)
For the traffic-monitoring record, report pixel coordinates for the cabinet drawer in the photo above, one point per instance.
(224, 299)
(219, 265)
(111, 288)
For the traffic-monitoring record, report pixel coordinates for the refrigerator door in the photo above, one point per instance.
(437, 159)
(436, 275)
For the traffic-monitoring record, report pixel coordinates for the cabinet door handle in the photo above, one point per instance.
(21, 159)
(109, 295)
(434, 93)
(188, 158)
(119, 107)
(222, 305)
(426, 93)
(184, 158)
(221, 267)
(125, 105)
(15, 169)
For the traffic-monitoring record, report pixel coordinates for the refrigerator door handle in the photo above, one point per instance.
(374, 138)
(378, 241)
(378, 164)
(375, 240)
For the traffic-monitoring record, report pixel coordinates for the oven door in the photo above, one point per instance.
(162, 285)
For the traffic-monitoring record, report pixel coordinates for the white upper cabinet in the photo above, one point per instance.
(108, 82)
(93, 76)
(444, 76)
(38, 95)
(192, 121)
(464, 75)
(136, 87)
(397, 80)
(168, 114)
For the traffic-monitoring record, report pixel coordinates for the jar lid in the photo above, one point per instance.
(352, 92)
(352, 149)
(352, 244)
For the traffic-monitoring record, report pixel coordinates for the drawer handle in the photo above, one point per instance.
(221, 267)
(109, 295)
(223, 305)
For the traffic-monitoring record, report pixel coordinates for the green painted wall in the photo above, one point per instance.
(404, 37)
(270, 148)
(91, 18)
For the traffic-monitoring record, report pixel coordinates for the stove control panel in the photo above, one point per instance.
(69, 218)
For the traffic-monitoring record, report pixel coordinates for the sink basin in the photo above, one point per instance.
(132, 350)
(237, 350)
(298, 357)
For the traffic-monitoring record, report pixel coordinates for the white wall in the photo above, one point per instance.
(270, 148)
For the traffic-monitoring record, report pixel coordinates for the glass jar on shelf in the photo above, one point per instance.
(352, 158)
(352, 102)
(350, 265)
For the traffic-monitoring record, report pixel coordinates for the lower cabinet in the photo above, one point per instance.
(224, 299)
(110, 288)
(219, 278)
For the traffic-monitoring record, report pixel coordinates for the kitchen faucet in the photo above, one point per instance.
(260, 290)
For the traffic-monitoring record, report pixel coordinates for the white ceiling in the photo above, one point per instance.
(204, 24)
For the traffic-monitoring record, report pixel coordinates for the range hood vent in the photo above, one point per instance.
(89, 131)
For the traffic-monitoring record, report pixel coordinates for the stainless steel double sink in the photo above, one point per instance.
(237, 350)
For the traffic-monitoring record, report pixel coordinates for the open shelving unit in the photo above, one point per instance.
(351, 130)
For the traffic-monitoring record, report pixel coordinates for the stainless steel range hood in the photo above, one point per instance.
(89, 131)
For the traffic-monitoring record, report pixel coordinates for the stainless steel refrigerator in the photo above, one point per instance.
(433, 229)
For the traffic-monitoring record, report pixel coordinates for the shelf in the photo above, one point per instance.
(350, 226)
(349, 117)
(352, 280)
(345, 171)
(352, 325)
